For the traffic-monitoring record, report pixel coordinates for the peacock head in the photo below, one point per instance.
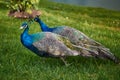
(36, 19)
(24, 25)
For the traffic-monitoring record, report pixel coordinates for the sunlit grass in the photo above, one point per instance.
(18, 63)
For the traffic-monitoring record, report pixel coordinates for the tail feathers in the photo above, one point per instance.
(108, 55)
(85, 52)
(92, 47)
(98, 52)
(117, 60)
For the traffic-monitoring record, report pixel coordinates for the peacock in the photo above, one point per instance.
(75, 36)
(47, 44)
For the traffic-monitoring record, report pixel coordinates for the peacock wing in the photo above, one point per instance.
(53, 46)
(77, 37)
(86, 41)
(80, 50)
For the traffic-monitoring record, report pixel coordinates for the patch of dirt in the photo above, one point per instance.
(24, 15)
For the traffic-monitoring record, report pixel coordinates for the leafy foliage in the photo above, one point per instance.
(22, 5)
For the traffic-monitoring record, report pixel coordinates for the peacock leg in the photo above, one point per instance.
(65, 62)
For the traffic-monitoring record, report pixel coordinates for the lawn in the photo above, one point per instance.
(18, 63)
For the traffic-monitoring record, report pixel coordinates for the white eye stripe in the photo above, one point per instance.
(21, 27)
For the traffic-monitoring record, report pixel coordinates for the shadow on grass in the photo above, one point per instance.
(75, 61)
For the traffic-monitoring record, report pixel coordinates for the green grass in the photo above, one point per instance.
(18, 63)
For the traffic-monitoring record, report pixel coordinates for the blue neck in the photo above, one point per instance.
(44, 27)
(27, 41)
(25, 36)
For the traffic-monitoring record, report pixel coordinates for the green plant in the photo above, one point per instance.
(22, 5)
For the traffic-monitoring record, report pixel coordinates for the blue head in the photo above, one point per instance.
(24, 25)
(43, 26)
(37, 19)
